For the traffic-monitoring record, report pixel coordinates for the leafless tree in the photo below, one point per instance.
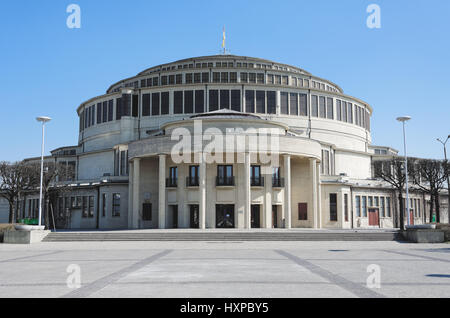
(392, 171)
(15, 178)
(430, 176)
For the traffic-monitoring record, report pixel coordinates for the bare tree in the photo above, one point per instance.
(430, 176)
(51, 185)
(392, 171)
(15, 178)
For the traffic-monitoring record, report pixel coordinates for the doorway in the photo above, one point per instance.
(374, 217)
(194, 216)
(173, 216)
(274, 216)
(256, 216)
(224, 216)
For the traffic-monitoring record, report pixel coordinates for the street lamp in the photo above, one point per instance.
(448, 177)
(43, 120)
(403, 120)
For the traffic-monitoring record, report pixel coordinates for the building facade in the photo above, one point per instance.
(125, 173)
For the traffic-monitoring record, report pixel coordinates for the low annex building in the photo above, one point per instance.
(319, 173)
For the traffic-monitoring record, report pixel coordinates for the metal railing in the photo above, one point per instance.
(171, 183)
(192, 182)
(277, 182)
(225, 181)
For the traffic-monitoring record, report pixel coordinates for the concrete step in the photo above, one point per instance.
(237, 236)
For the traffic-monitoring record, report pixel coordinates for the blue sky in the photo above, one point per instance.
(48, 69)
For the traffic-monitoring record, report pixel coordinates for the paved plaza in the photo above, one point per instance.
(225, 269)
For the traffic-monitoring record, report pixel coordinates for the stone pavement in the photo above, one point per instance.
(225, 269)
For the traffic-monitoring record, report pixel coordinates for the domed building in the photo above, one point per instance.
(316, 171)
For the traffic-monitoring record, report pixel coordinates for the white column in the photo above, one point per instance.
(313, 176)
(287, 192)
(162, 192)
(247, 193)
(136, 197)
(130, 197)
(319, 196)
(202, 194)
(268, 201)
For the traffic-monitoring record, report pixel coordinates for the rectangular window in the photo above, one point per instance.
(236, 100)
(364, 207)
(85, 207)
(213, 100)
(163, 80)
(197, 78)
(338, 110)
(126, 104)
(188, 78)
(346, 207)
(358, 205)
(271, 102)
(350, 113)
(260, 78)
(119, 108)
(333, 207)
(303, 211)
(193, 179)
(314, 106)
(252, 78)
(173, 177)
(177, 102)
(123, 163)
(330, 112)
(244, 77)
(303, 105)
(99, 113)
(325, 166)
(110, 110)
(171, 79)
(388, 207)
(135, 106)
(225, 175)
(233, 77)
(105, 112)
(224, 77)
(103, 204)
(199, 101)
(91, 206)
(293, 104)
(255, 176)
(179, 79)
(116, 205)
(344, 111)
(155, 104)
(284, 103)
(205, 77)
(261, 101)
(250, 101)
(382, 207)
(224, 98)
(322, 107)
(164, 103)
(188, 102)
(270, 79)
(93, 115)
(216, 77)
(146, 105)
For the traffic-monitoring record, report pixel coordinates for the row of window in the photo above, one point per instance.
(86, 205)
(414, 207)
(228, 77)
(225, 177)
(256, 101)
(362, 203)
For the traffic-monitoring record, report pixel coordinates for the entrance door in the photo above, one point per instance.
(256, 217)
(411, 217)
(174, 216)
(224, 216)
(195, 217)
(374, 217)
(274, 216)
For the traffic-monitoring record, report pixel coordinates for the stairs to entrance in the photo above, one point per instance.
(237, 235)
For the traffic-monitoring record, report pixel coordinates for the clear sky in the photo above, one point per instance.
(49, 69)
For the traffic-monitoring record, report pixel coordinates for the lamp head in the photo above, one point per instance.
(43, 119)
(404, 119)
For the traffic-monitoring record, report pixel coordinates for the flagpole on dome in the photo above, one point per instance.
(223, 41)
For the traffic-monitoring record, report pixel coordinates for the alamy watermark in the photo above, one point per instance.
(73, 281)
(74, 19)
(374, 279)
(374, 19)
(225, 146)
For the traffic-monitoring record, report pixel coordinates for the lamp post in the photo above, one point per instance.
(43, 120)
(403, 120)
(444, 143)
